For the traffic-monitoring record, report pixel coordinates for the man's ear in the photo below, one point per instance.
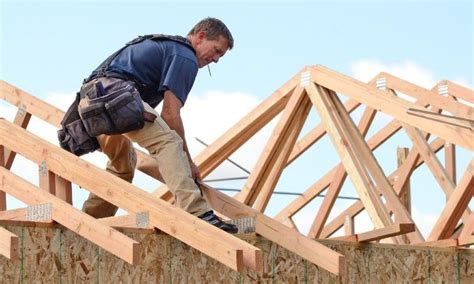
(201, 35)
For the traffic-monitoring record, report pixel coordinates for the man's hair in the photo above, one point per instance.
(213, 28)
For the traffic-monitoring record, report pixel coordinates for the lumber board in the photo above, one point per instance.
(433, 163)
(432, 96)
(315, 134)
(405, 196)
(393, 202)
(443, 118)
(357, 207)
(8, 244)
(271, 163)
(31, 104)
(467, 241)
(63, 189)
(458, 91)
(468, 228)
(277, 232)
(344, 146)
(3, 197)
(392, 230)
(124, 221)
(282, 160)
(22, 118)
(170, 219)
(450, 161)
(47, 180)
(338, 182)
(349, 228)
(379, 234)
(72, 218)
(391, 105)
(456, 205)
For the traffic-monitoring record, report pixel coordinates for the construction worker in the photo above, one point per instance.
(155, 69)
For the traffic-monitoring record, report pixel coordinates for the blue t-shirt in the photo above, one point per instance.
(159, 64)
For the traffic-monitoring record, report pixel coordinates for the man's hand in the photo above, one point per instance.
(195, 171)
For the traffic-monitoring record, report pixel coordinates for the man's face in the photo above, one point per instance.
(208, 51)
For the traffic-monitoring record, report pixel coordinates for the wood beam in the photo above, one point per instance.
(349, 226)
(458, 91)
(433, 163)
(433, 97)
(277, 232)
(22, 118)
(450, 161)
(272, 161)
(383, 185)
(468, 228)
(455, 206)
(315, 134)
(391, 105)
(3, 197)
(338, 182)
(467, 241)
(72, 218)
(357, 207)
(345, 147)
(63, 189)
(396, 229)
(47, 179)
(231, 251)
(405, 196)
(374, 142)
(8, 244)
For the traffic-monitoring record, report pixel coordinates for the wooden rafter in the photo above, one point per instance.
(263, 178)
(282, 149)
(8, 244)
(337, 182)
(72, 218)
(380, 234)
(433, 163)
(164, 216)
(345, 148)
(393, 106)
(411, 162)
(431, 96)
(455, 206)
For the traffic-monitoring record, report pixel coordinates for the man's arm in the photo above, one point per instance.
(171, 114)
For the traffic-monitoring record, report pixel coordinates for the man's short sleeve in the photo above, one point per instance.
(178, 76)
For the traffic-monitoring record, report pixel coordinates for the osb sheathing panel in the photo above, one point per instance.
(57, 255)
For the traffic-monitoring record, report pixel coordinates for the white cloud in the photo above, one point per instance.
(366, 69)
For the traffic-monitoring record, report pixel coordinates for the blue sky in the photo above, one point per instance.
(48, 47)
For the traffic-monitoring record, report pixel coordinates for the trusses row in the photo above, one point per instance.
(314, 86)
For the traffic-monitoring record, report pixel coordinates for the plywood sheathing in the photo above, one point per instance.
(56, 254)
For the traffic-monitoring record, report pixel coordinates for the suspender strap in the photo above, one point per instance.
(105, 65)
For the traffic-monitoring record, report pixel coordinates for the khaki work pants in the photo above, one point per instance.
(166, 147)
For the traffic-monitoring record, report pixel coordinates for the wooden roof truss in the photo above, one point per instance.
(448, 117)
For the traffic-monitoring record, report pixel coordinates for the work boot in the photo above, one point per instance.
(212, 219)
